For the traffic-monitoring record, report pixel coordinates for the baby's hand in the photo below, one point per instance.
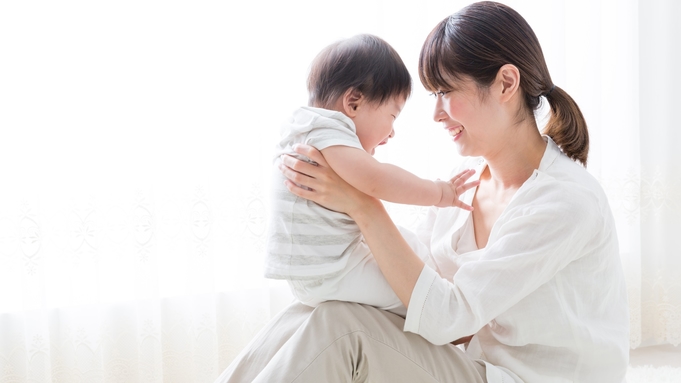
(453, 189)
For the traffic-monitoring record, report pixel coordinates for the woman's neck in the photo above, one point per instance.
(516, 160)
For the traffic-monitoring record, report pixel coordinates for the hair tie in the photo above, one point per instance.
(550, 90)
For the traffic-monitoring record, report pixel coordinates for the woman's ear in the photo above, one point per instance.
(352, 99)
(508, 79)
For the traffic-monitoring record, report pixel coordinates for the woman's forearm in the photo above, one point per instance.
(397, 261)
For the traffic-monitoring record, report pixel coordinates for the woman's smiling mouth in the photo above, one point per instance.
(455, 131)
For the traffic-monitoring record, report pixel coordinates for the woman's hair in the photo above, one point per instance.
(477, 41)
(363, 62)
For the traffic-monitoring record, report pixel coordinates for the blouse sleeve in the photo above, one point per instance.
(541, 232)
(424, 230)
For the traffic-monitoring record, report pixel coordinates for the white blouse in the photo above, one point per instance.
(546, 298)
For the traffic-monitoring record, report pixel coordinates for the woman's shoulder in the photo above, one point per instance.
(567, 181)
(569, 174)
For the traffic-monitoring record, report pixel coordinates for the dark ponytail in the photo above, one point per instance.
(567, 126)
(477, 41)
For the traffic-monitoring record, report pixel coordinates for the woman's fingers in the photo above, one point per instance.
(297, 190)
(317, 181)
(294, 175)
(303, 174)
(298, 165)
(311, 153)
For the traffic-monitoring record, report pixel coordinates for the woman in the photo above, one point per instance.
(532, 273)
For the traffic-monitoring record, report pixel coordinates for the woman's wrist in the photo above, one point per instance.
(365, 208)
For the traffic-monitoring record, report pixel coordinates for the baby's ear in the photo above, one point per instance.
(352, 99)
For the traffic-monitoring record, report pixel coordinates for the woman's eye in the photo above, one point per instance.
(439, 93)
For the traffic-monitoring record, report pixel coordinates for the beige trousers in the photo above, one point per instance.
(347, 342)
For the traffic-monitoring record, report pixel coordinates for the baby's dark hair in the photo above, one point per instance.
(363, 62)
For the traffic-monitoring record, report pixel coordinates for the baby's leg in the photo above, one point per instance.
(362, 282)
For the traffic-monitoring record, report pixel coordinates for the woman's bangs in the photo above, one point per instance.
(436, 61)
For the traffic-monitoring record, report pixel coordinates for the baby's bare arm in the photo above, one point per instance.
(386, 181)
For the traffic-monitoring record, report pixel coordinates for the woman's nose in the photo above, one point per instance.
(439, 113)
(392, 133)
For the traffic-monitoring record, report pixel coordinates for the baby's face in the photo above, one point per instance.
(374, 122)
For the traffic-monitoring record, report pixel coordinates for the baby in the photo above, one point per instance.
(357, 88)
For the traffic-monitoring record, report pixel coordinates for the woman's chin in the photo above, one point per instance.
(461, 150)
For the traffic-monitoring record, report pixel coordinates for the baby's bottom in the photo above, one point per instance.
(362, 282)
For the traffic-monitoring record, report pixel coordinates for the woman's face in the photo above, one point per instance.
(468, 117)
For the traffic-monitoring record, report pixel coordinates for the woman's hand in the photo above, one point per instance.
(326, 187)
(396, 259)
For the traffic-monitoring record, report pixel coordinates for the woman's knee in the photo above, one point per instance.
(335, 309)
(348, 317)
(339, 313)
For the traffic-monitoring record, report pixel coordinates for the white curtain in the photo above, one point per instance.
(643, 173)
(135, 148)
